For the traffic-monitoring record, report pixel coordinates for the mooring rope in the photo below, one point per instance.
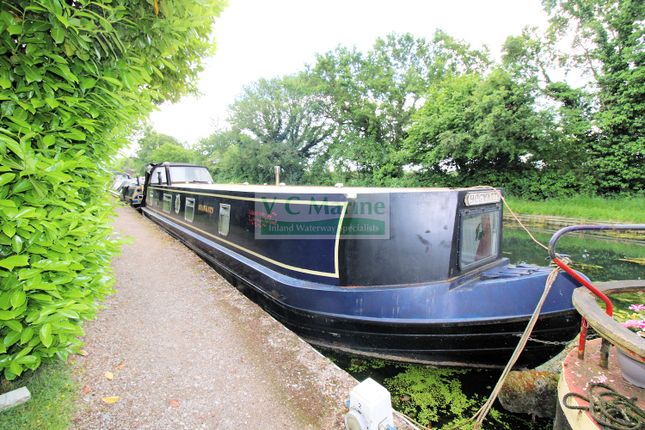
(482, 413)
(610, 409)
(520, 222)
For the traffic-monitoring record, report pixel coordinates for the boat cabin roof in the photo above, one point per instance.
(308, 189)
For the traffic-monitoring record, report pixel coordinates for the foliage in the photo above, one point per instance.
(416, 112)
(430, 394)
(53, 393)
(74, 77)
(155, 147)
(252, 161)
(177, 153)
(362, 365)
(476, 130)
(278, 111)
(630, 311)
(158, 147)
(348, 112)
(274, 122)
(371, 97)
(607, 45)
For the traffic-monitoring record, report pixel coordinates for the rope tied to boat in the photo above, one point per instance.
(517, 219)
(611, 410)
(482, 413)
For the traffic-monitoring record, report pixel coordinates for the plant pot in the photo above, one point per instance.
(633, 370)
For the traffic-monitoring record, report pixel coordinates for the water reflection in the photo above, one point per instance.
(600, 259)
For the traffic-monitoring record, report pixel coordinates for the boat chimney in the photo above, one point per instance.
(276, 169)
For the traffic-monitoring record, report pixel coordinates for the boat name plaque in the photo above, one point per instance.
(477, 198)
(205, 208)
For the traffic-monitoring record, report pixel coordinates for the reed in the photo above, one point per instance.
(619, 209)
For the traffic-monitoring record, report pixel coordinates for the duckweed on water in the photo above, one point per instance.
(437, 398)
(440, 398)
(430, 395)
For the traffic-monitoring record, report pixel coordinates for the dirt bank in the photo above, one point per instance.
(185, 350)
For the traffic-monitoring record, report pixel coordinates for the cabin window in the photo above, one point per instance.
(189, 210)
(479, 241)
(158, 176)
(177, 203)
(190, 174)
(167, 202)
(224, 219)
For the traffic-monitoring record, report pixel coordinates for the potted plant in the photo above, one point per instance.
(633, 319)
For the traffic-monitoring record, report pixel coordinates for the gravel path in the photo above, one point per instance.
(185, 350)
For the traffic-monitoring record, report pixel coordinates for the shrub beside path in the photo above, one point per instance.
(177, 347)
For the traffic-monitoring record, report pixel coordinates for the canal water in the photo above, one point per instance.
(443, 396)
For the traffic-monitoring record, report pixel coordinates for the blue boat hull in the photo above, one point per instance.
(473, 320)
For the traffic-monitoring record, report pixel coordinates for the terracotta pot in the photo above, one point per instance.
(633, 370)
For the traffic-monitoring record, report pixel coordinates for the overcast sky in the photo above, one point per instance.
(267, 38)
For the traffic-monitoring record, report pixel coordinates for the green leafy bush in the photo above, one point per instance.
(75, 76)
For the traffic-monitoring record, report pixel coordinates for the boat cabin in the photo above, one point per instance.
(353, 236)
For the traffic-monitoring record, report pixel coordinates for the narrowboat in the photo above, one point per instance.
(119, 180)
(404, 274)
(132, 191)
(127, 189)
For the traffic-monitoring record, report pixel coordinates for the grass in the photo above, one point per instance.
(53, 392)
(622, 209)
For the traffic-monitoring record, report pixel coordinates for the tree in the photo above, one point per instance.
(273, 122)
(476, 130)
(173, 153)
(251, 161)
(371, 97)
(210, 150)
(155, 147)
(282, 111)
(530, 59)
(150, 143)
(607, 43)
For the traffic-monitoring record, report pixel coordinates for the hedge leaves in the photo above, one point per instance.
(75, 76)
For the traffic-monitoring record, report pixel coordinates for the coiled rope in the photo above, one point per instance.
(611, 410)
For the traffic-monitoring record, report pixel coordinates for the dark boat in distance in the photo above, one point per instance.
(404, 274)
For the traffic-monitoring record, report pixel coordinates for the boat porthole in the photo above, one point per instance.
(189, 209)
(177, 203)
(167, 202)
(224, 219)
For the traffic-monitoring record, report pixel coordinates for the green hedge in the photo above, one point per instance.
(75, 76)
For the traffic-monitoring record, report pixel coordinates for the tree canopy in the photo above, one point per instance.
(411, 111)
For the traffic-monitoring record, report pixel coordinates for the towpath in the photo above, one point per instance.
(177, 347)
